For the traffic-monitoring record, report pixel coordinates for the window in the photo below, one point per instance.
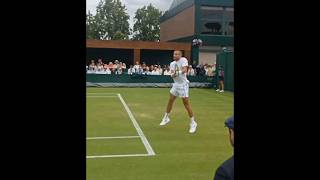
(216, 20)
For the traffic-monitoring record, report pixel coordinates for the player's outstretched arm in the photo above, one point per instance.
(172, 73)
(184, 70)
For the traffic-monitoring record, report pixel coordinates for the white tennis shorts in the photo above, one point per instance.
(180, 90)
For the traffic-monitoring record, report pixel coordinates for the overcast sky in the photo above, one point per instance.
(132, 6)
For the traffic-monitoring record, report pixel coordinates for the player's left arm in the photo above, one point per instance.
(184, 70)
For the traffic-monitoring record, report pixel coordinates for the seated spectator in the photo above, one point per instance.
(155, 71)
(143, 67)
(205, 67)
(147, 72)
(210, 71)
(92, 66)
(151, 68)
(100, 67)
(100, 62)
(124, 66)
(111, 66)
(190, 71)
(167, 72)
(131, 70)
(160, 70)
(137, 67)
(108, 71)
(101, 71)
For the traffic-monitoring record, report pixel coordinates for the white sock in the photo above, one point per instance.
(192, 120)
(166, 115)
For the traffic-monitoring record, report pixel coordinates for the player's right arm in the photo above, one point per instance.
(172, 69)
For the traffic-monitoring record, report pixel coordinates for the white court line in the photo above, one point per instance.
(116, 137)
(123, 155)
(103, 93)
(101, 96)
(136, 125)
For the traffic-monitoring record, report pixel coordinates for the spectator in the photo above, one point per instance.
(205, 67)
(226, 170)
(210, 71)
(131, 70)
(100, 66)
(137, 68)
(100, 62)
(167, 72)
(144, 65)
(111, 66)
(118, 69)
(202, 70)
(155, 71)
(92, 66)
(221, 79)
(197, 69)
(160, 70)
(190, 71)
(108, 71)
(147, 72)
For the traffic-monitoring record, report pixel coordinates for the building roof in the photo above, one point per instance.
(176, 3)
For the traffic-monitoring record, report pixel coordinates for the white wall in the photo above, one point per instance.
(207, 57)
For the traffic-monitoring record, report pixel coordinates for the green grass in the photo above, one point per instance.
(179, 155)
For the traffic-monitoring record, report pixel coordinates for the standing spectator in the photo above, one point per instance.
(131, 70)
(221, 79)
(226, 170)
(118, 69)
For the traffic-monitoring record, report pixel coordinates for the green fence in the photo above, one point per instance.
(226, 59)
(143, 80)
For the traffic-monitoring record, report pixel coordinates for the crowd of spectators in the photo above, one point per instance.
(118, 67)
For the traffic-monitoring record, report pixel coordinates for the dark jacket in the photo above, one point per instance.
(225, 171)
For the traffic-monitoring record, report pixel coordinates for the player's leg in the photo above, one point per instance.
(187, 105)
(166, 119)
(172, 98)
(184, 94)
(222, 86)
(193, 124)
(219, 84)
